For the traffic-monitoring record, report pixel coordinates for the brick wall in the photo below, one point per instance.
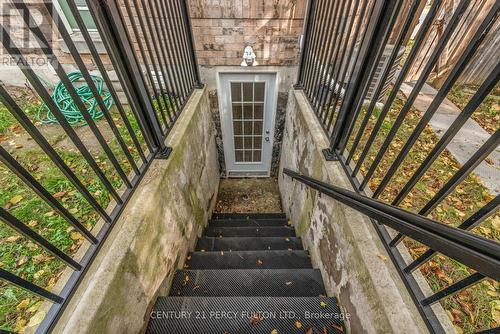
(222, 29)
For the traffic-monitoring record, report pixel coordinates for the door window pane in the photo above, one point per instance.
(236, 91)
(248, 155)
(237, 111)
(257, 155)
(257, 142)
(258, 111)
(259, 91)
(239, 156)
(257, 128)
(248, 91)
(238, 143)
(248, 130)
(248, 111)
(237, 128)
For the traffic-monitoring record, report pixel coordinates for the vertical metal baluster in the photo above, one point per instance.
(311, 56)
(180, 56)
(154, 57)
(378, 29)
(385, 73)
(345, 72)
(185, 45)
(311, 4)
(452, 78)
(28, 19)
(489, 146)
(174, 51)
(337, 62)
(86, 75)
(414, 93)
(167, 58)
(24, 284)
(25, 122)
(97, 59)
(477, 218)
(9, 45)
(25, 231)
(161, 58)
(16, 168)
(419, 40)
(328, 34)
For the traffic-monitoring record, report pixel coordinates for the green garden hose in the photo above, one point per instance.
(67, 106)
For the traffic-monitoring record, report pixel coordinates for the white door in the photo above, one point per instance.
(248, 103)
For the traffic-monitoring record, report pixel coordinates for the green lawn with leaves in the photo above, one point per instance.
(18, 254)
(477, 307)
(488, 113)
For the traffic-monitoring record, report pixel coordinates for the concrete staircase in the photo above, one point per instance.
(248, 274)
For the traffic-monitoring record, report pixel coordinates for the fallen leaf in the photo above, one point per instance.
(274, 331)
(337, 327)
(323, 304)
(39, 274)
(13, 238)
(16, 199)
(75, 236)
(298, 324)
(59, 194)
(309, 331)
(22, 260)
(382, 257)
(259, 262)
(23, 304)
(256, 319)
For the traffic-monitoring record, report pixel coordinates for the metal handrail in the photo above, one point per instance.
(478, 253)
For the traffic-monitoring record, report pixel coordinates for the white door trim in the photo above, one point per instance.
(227, 135)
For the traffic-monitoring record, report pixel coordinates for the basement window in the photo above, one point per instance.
(69, 21)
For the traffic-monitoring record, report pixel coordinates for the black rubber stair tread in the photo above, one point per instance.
(247, 222)
(248, 282)
(248, 215)
(270, 231)
(279, 259)
(248, 243)
(236, 315)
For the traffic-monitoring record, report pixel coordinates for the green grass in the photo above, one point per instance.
(21, 256)
(477, 307)
(488, 113)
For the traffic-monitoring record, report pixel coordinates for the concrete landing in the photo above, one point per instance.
(468, 139)
(249, 195)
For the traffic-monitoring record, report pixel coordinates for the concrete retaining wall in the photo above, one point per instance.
(151, 239)
(342, 242)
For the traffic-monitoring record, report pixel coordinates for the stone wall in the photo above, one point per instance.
(158, 227)
(222, 29)
(343, 243)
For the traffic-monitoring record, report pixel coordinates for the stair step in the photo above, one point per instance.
(270, 231)
(209, 315)
(248, 282)
(248, 215)
(280, 259)
(247, 222)
(248, 243)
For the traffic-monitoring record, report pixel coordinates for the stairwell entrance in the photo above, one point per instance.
(248, 106)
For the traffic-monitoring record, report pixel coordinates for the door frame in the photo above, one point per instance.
(227, 136)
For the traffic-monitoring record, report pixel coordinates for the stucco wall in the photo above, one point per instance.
(153, 235)
(342, 242)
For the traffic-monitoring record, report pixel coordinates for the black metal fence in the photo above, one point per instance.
(357, 55)
(156, 71)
